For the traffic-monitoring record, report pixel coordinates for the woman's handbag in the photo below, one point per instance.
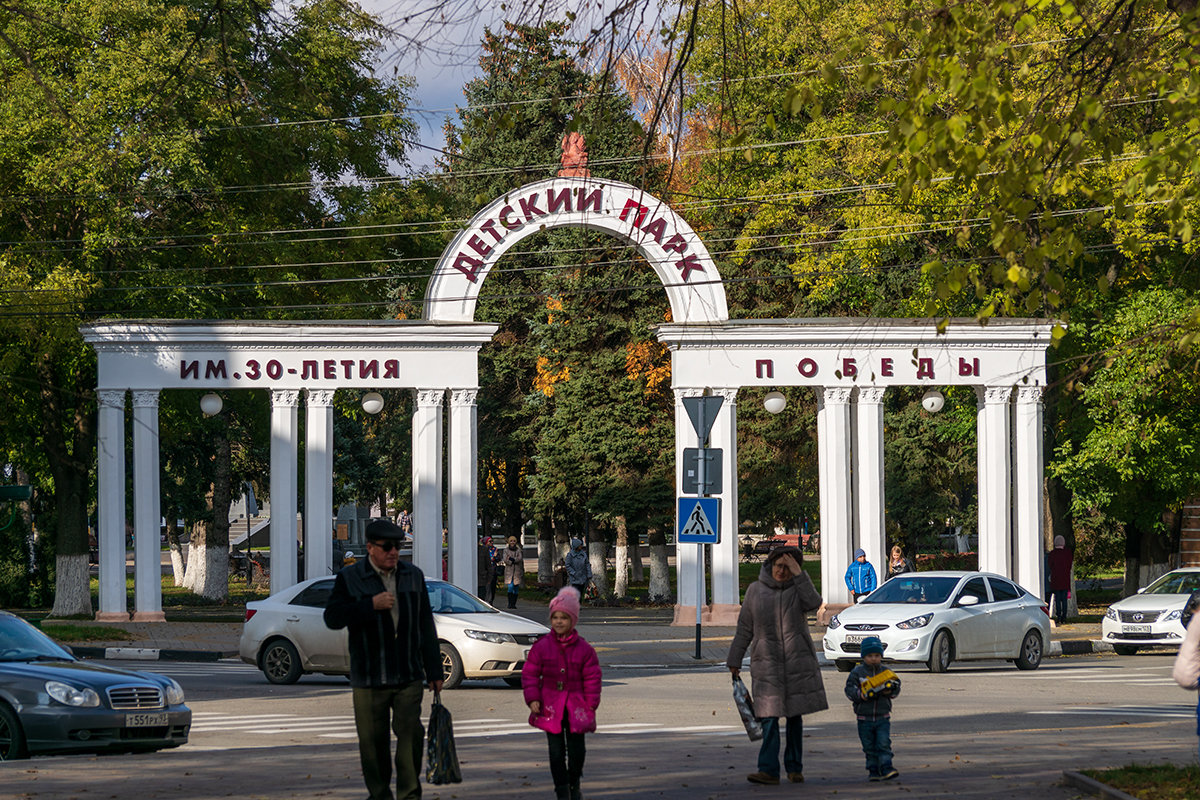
(745, 707)
(441, 759)
(590, 591)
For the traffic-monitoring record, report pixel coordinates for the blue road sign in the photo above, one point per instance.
(699, 520)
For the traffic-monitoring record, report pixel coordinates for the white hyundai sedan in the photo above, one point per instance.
(1150, 618)
(285, 635)
(940, 617)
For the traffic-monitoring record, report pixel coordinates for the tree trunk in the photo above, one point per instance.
(621, 563)
(177, 559)
(660, 571)
(597, 551)
(546, 551)
(637, 573)
(71, 595)
(208, 565)
(513, 522)
(72, 592)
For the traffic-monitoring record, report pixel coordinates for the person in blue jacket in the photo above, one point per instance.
(860, 575)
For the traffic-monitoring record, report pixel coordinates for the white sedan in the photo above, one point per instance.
(940, 617)
(1150, 618)
(285, 635)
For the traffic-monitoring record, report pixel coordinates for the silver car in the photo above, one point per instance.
(285, 635)
(1150, 618)
(940, 617)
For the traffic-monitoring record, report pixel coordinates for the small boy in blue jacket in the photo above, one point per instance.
(874, 712)
(860, 575)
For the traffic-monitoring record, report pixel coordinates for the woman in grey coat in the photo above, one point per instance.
(785, 676)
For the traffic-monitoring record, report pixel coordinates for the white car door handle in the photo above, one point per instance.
(292, 618)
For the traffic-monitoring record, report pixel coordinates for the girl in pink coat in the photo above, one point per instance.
(561, 679)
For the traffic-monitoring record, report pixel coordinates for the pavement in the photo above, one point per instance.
(622, 636)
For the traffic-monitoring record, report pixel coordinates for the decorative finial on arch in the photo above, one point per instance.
(574, 157)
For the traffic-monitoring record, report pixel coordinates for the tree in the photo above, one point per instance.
(149, 149)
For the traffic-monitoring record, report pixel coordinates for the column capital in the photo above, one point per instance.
(284, 397)
(111, 398)
(871, 395)
(1030, 394)
(688, 391)
(728, 394)
(993, 394)
(319, 397)
(463, 397)
(429, 397)
(837, 394)
(145, 398)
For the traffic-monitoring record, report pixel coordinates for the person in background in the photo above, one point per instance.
(561, 680)
(860, 575)
(785, 676)
(514, 569)
(1187, 663)
(874, 712)
(404, 520)
(393, 655)
(1059, 564)
(487, 571)
(898, 564)
(579, 567)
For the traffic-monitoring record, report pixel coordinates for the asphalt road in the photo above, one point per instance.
(980, 731)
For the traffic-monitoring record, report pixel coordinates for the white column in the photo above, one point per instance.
(318, 482)
(427, 481)
(462, 503)
(685, 554)
(868, 476)
(994, 479)
(147, 514)
(284, 477)
(1027, 484)
(829, 572)
(725, 553)
(110, 479)
(837, 513)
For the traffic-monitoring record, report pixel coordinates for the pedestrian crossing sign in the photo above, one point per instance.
(699, 520)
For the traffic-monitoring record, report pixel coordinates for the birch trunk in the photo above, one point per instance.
(621, 563)
(660, 572)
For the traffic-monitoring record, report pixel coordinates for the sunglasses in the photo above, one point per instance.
(386, 547)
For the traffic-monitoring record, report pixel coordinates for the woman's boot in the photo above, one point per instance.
(561, 793)
(576, 792)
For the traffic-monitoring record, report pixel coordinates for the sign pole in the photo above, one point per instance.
(695, 517)
(701, 490)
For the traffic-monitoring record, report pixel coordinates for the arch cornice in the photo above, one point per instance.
(664, 239)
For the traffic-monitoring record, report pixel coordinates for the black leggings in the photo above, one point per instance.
(566, 756)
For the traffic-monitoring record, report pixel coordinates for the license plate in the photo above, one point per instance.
(1136, 629)
(855, 638)
(146, 720)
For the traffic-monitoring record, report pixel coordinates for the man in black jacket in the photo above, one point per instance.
(393, 652)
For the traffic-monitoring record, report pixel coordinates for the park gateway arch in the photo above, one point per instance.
(848, 363)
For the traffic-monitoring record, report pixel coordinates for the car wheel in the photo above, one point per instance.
(1030, 656)
(281, 662)
(513, 681)
(12, 738)
(1124, 649)
(941, 652)
(844, 664)
(452, 668)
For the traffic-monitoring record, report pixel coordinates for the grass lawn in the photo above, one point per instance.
(1152, 781)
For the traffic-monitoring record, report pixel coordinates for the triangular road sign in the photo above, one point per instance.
(702, 411)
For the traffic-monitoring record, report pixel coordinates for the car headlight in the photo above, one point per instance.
(174, 693)
(835, 623)
(1176, 614)
(494, 638)
(1111, 613)
(915, 622)
(70, 696)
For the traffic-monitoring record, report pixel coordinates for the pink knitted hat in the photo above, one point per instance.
(567, 601)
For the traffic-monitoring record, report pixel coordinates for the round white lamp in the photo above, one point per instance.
(372, 402)
(774, 402)
(211, 404)
(932, 401)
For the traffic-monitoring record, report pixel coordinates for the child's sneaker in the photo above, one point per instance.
(875, 776)
(889, 774)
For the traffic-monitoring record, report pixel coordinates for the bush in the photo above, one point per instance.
(946, 560)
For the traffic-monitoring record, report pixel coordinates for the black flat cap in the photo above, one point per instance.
(379, 530)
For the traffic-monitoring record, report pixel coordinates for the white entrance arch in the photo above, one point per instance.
(664, 239)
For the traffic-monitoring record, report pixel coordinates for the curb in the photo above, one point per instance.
(1093, 786)
(1076, 647)
(152, 654)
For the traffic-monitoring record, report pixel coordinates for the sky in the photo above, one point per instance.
(438, 43)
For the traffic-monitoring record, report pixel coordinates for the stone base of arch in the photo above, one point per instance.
(712, 614)
(112, 616)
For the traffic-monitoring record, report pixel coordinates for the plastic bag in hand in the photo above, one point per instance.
(745, 707)
(441, 759)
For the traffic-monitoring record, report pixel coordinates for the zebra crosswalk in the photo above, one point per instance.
(206, 723)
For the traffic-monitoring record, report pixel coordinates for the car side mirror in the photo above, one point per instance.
(860, 599)
(968, 600)
(1139, 591)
